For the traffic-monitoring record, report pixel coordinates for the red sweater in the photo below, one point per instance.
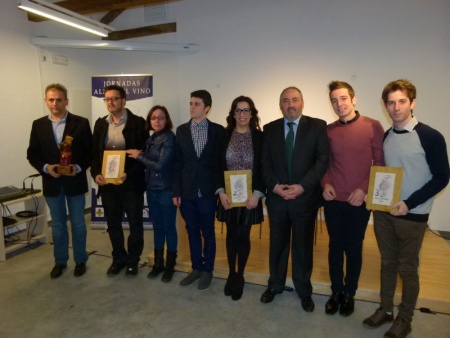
(354, 147)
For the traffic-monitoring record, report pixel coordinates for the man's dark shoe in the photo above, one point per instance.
(57, 270)
(131, 271)
(399, 329)
(190, 278)
(332, 305)
(378, 318)
(269, 295)
(307, 304)
(80, 269)
(115, 269)
(347, 305)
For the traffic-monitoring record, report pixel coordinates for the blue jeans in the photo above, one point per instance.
(58, 211)
(199, 217)
(116, 200)
(163, 214)
(346, 225)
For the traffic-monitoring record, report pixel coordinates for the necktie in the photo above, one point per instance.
(289, 148)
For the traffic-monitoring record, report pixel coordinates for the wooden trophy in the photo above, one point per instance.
(65, 156)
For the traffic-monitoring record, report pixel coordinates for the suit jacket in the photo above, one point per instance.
(192, 173)
(309, 161)
(43, 149)
(135, 138)
(220, 161)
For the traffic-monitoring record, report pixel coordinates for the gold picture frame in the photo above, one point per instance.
(113, 165)
(238, 186)
(385, 186)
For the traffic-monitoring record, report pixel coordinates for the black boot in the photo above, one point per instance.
(170, 264)
(158, 267)
(347, 305)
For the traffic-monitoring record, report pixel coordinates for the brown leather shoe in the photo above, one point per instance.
(378, 318)
(399, 329)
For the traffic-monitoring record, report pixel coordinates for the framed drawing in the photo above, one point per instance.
(238, 186)
(113, 165)
(384, 187)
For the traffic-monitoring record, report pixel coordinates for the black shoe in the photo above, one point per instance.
(347, 305)
(332, 304)
(132, 270)
(156, 270)
(307, 304)
(115, 269)
(167, 275)
(269, 295)
(228, 289)
(238, 288)
(170, 266)
(80, 269)
(57, 270)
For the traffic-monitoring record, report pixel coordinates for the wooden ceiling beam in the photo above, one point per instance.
(111, 16)
(97, 6)
(142, 31)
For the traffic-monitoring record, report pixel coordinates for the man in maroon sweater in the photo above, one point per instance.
(356, 143)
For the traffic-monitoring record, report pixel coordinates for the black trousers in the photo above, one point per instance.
(346, 226)
(116, 200)
(286, 219)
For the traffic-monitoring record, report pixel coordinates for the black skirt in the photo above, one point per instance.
(253, 216)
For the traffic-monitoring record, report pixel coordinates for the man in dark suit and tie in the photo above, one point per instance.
(193, 190)
(59, 187)
(294, 159)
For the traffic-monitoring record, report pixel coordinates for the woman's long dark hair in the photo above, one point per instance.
(254, 120)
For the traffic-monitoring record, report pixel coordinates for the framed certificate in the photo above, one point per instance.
(384, 187)
(113, 165)
(238, 186)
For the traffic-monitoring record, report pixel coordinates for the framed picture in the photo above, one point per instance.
(238, 186)
(384, 187)
(113, 165)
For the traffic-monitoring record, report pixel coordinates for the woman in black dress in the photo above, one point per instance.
(239, 149)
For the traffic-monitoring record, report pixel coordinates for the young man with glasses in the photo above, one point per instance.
(121, 130)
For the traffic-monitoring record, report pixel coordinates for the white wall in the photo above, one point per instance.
(255, 48)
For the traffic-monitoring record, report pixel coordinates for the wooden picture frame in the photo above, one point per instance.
(113, 165)
(238, 186)
(385, 187)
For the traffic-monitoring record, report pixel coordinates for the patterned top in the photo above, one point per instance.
(240, 151)
(199, 133)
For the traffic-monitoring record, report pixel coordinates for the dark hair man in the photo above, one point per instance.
(59, 188)
(193, 189)
(121, 130)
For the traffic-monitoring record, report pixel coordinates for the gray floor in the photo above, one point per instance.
(94, 305)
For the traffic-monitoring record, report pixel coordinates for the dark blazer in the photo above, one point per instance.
(135, 137)
(193, 173)
(309, 162)
(220, 161)
(43, 149)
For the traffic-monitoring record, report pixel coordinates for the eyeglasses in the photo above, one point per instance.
(112, 99)
(245, 111)
(158, 118)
